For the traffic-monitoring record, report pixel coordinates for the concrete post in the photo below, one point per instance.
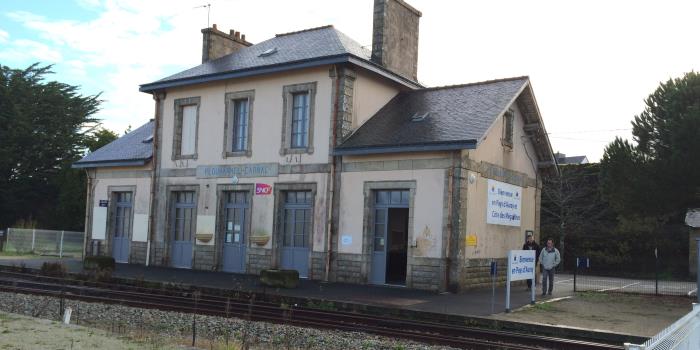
(60, 249)
(33, 239)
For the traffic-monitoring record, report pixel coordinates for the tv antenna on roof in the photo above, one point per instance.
(208, 6)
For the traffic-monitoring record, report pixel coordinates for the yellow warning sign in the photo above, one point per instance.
(471, 240)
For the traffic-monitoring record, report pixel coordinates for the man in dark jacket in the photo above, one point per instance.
(530, 244)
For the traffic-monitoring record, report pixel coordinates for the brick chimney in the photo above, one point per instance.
(395, 37)
(216, 43)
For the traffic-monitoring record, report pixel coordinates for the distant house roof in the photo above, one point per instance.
(444, 118)
(306, 48)
(134, 148)
(562, 159)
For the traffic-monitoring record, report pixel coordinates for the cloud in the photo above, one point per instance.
(29, 50)
(4, 36)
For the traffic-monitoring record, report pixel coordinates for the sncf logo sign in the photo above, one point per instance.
(262, 189)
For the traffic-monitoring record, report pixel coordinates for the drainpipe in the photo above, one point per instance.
(331, 185)
(88, 206)
(450, 196)
(158, 97)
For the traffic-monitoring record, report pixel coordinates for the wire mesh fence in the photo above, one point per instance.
(44, 242)
(587, 278)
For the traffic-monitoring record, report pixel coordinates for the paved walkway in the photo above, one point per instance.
(474, 302)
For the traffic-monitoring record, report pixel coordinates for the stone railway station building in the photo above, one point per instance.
(309, 152)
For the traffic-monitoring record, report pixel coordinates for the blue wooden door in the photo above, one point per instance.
(296, 231)
(183, 226)
(378, 270)
(234, 229)
(121, 228)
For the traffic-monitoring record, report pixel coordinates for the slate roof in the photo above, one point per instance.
(129, 149)
(572, 160)
(458, 117)
(315, 46)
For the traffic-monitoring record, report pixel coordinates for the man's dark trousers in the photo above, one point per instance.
(547, 281)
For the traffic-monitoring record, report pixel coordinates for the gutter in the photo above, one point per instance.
(281, 67)
(109, 163)
(429, 147)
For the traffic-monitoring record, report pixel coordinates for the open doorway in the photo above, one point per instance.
(397, 246)
(390, 241)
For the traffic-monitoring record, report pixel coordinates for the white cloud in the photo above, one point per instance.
(4, 36)
(29, 50)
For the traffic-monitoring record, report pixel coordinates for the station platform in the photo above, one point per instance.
(476, 302)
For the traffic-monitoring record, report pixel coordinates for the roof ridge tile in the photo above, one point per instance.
(485, 82)
(304, 30)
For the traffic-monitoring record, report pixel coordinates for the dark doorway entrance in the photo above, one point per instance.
(390, 243)
(397, 246)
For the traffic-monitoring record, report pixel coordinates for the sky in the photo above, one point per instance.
(591, 62)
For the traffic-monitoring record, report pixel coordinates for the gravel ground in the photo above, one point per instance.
(156, 324)
(641, 315)
(21, 332)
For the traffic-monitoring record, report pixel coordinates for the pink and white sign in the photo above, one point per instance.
(262, 189)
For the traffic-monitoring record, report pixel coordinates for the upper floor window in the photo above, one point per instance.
(237, 130)
(240, 125)
(298, 118)
(186, 124)
(237, 134)
(508, 120)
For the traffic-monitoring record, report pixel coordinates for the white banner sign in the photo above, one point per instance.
(521, 265)
(503, 207)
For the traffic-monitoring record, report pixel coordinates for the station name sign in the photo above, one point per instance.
(521, 265)
(504, 201)
(241, 170)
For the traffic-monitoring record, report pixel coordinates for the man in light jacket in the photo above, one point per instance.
(549, 259)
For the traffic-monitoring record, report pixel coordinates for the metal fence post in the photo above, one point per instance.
(60, 249)
(697, 273)
(656, 270)
(33, 239)
(575, 273)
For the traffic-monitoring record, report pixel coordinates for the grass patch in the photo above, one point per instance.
(546, 307)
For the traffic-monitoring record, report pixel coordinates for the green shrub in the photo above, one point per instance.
(280, 278)
(98, 262)
(54, 269)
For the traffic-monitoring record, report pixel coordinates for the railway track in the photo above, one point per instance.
(191, 301)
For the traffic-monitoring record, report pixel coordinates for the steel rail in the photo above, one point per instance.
(255, 310)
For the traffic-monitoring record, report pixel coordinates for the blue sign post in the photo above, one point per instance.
(521, 266)
(494, 268)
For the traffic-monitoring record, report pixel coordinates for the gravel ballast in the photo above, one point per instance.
(178, 326)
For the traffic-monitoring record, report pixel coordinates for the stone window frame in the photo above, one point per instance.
(369, 190)
(111, 212)
(169, 200)
(231, 97)
(218, 226)
(277, 239)
(287, 101)
(508, 129)
(179, 104)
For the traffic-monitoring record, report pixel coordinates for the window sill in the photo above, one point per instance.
(238, 154)
(181, 157)
(286, 151)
